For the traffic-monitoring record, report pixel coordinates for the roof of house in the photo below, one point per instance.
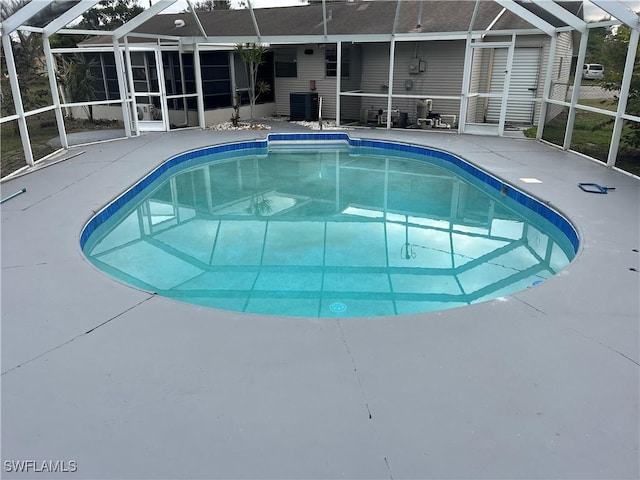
(344, 18)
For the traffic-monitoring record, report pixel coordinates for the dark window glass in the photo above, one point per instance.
(331, 61)
(286, 62)
(216, 79)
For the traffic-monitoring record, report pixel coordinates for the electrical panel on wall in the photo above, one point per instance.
(417, 66)
(414, 66)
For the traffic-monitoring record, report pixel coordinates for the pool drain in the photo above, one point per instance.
(337, 307)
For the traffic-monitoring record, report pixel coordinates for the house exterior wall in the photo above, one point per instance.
(444, 66)
(561, 68)
(442, 74)
(311, 67)
(369, 73)
(444, 60)
(561, 72)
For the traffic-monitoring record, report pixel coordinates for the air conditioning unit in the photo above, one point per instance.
(146, 111)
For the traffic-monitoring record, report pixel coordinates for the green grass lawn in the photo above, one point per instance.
(42, 128)
(592, 135)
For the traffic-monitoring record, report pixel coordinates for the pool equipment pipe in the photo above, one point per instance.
(426, 118)
(13, 195)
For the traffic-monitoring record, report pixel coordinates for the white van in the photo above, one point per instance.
(592, 71)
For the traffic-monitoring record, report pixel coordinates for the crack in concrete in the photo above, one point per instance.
(355, 369)
(608, 347)
(26, 265)
(76, 337)
(388, 468)
(529, 305)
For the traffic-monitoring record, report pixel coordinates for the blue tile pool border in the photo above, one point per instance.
(500, 186)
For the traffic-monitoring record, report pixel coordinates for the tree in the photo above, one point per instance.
(28, 56)
(110, 14)
(595, 43)
(26, 46)
(211, 5)
(614, 50)
(252, 55)
(76, 77)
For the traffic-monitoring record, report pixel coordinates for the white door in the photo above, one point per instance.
(148, 90)
(522, 88)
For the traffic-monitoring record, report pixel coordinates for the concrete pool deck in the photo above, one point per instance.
(540, 384)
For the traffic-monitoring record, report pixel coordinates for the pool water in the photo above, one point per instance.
(329, 231)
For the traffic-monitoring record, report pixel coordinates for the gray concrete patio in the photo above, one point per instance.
(541, 384)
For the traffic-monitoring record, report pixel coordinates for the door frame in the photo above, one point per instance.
(484, 128)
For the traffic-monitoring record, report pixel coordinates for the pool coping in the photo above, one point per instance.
(543, 383)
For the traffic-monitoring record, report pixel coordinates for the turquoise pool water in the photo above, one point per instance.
(325, 231)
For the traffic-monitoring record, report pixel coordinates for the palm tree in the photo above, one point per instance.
(76, 77)
(252, 55)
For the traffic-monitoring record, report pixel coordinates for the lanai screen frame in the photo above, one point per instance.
(615, 8)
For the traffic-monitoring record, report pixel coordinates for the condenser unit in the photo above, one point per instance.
(303, 106)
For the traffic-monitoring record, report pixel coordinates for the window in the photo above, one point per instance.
(216, 79)
(110, 75)
(173, 77)
(331, 61)
(286, 62)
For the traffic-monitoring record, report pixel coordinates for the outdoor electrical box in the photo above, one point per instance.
(303, 106)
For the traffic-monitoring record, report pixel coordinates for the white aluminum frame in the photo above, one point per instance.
(619, 11)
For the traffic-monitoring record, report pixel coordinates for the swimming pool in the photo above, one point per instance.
(323, 225)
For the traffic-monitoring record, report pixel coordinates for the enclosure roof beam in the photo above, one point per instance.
(253, 19)
(197, 19)
(395, 19)
(79, 31)
(527, 16)
(12, 23)
(324, 17)
(68, 16)
(562, 14)
(29, 28)
(142, 17)
(473, 15)
(619, 11)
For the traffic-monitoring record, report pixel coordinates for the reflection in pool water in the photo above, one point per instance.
(327, 233)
